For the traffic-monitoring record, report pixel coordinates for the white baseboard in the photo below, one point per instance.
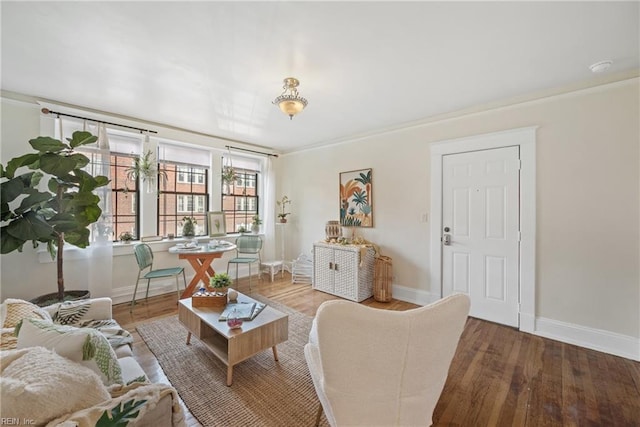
(412, 295)
(527, 323)
(158, 287)
(595, 339)
(168, 285)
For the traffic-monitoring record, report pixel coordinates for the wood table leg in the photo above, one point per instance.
(275, 353)
(201, 266)
(189, 338)
(229, 375)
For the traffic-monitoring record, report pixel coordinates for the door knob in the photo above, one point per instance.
(446, 239)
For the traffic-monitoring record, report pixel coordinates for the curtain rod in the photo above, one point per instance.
(250, 151)
(47, 111)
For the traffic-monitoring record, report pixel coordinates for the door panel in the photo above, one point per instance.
(495, 280)
(461, 212)
(480, 212)
(460, 271)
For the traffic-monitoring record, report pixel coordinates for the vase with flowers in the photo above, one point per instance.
(283, 208)
(255, 224)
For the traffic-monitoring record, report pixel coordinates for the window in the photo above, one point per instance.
(240, 200)
(124, 207)
(242, 181)
(131, 207)
(125, 197)
(184, 193)
(190, 175)
(246, 204)
(189, 204)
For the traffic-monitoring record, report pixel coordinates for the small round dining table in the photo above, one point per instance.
(200, 257)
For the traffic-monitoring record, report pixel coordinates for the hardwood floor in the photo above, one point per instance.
(498, 377)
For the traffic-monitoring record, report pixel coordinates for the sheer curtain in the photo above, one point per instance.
(269, 212)
(91, 268)
(98, 256)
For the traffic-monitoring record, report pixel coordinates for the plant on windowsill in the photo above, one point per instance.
(126, 237)
(145, 168)
(255, 224)
(188, 226)
(242, 229)
(283, 203)
(63, 213)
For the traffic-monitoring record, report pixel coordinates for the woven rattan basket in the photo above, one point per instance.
(382, 279)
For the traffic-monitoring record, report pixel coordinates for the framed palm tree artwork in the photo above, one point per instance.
(356, 202)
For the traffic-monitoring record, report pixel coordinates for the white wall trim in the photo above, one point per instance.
(525, 139)
(124, 294)
(168, 285)
(412, 295)
(595, 339)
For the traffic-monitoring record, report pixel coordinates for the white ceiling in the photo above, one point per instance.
(215, 67)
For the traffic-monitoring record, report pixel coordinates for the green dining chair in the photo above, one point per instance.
(144, 257)
(247, 252)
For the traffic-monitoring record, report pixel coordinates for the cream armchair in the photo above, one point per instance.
(379, 367)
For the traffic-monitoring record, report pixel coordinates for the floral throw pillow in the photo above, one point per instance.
(83, 345)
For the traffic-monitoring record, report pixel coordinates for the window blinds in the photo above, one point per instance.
(184, 154)
(242, 162)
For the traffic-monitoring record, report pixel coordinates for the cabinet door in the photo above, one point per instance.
(346, 274)
(322, 269)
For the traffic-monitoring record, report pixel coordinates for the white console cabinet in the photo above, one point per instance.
(338, 270)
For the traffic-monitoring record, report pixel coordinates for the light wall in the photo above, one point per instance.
(588, 184)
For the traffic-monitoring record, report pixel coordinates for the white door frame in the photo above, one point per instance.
(525, 138)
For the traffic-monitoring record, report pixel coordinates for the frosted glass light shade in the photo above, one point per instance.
(290, 102)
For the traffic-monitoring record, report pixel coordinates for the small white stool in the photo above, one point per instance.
(270, 267)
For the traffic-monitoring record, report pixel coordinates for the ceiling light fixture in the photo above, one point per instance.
(290, 102)
(601, 66)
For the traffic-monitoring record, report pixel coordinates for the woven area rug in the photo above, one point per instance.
(264, 392)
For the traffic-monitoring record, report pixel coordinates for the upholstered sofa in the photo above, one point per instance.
(70, 363)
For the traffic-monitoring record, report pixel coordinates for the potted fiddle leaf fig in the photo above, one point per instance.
(60, 213)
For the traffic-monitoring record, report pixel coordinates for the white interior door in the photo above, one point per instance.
(480, 229)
